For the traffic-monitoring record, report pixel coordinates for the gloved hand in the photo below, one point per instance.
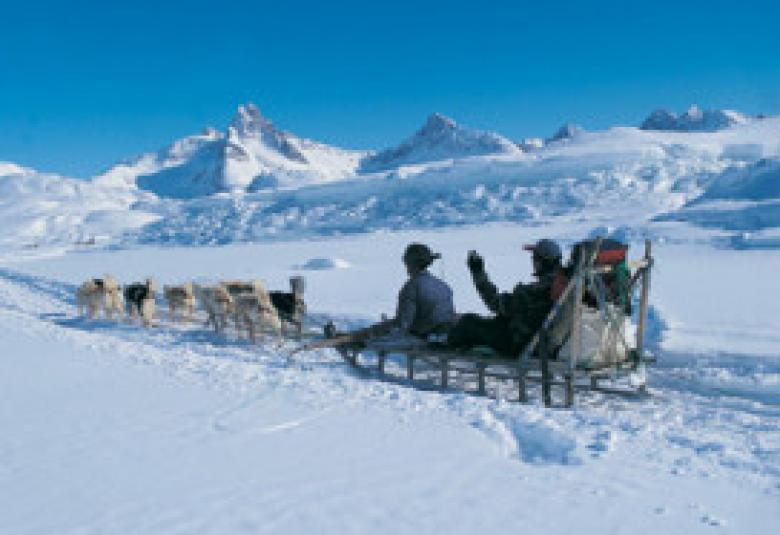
(475, 262)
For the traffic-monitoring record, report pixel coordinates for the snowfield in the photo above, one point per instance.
(178, 430)
(111, 428)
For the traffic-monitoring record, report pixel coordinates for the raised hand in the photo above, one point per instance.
(475, 262)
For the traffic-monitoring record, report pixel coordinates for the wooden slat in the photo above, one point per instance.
(481, 379)
(642, 321)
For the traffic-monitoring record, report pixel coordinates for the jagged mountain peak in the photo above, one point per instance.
(249, 153)
(567, 131)
(694, 119)
(437, 122)
(249, 120)
(439, 138)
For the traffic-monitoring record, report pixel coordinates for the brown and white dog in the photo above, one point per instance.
(96, 294)
(217, 303)
(255, 312)
(180, 298)
(140, 300)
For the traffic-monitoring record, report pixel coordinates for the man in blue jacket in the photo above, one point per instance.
(425, 304)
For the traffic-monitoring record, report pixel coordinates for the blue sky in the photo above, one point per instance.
(83, 84)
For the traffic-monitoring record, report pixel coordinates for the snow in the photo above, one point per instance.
(325, 263)
(109, 427)
(176, 429)
(255, 181)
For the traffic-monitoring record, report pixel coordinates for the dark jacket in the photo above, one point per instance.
(424, 305)
(522, 311)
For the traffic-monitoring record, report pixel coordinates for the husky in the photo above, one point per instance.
(180, 298)
(254, 311)
(217, 303)
(290, 306)
(140, 300)
(96, 294)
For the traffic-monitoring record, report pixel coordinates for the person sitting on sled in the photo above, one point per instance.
(518, 314)
(425, 305)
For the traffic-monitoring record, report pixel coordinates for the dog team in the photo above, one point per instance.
(250, 305)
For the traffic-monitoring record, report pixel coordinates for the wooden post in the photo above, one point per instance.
(381, 364)
(594, 382)
(445, 372)
(522, 395)
(569, 395)
(576, 326)
(298, 286)
(642, 320)
(410, 367)
(481, 378)
(545, 361)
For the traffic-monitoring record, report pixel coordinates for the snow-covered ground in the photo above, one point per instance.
(112, 428)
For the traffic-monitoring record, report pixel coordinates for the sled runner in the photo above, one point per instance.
(581, 341)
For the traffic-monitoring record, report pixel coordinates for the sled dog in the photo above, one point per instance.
(255, 312)
(181, 298)
(217, 303)
(290, 305)
(140, 300)
(96, 294)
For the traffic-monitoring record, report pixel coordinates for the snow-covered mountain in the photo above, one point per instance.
(40, 209)
(440, 138)
(275, 185)
(693, 120)
(567, 131)
(251, 154)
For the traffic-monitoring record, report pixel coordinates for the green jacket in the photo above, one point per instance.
(523, 310)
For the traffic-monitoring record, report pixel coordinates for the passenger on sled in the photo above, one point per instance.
(519, 313)
(425, 306)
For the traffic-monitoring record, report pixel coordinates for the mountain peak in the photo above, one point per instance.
(437, 122)
(440, 138)
(249, 120)
(567, 131)
(693, 120)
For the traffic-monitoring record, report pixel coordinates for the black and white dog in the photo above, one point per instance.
(139, 297)
(290, 305)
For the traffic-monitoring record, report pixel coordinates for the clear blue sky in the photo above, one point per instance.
(83, 84)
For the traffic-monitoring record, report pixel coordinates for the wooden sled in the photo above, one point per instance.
(576, 347)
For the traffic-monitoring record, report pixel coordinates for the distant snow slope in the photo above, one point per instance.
(439, 138)
(619, 176)
(757, 182)
(745, 198)
(39, 209)
(693, 120)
